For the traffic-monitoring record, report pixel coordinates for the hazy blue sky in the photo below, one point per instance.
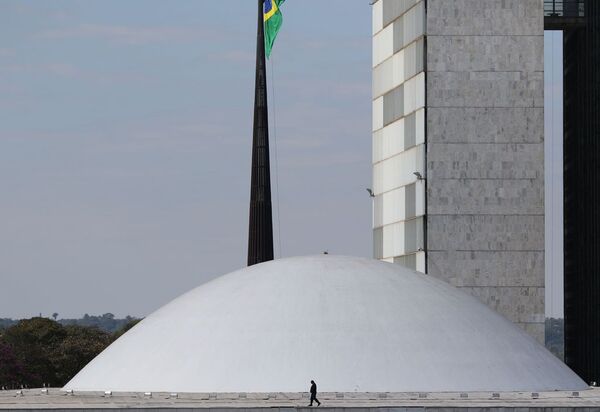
(554, 173)
(125, 135)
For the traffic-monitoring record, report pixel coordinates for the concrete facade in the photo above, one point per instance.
(484, 151)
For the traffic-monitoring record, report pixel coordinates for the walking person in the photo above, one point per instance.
(313, 394)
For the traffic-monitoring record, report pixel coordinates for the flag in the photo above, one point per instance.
(273, 19)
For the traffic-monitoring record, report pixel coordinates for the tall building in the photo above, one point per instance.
(580, 22)
(458, 147)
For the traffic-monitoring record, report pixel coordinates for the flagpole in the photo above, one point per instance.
(260, 233)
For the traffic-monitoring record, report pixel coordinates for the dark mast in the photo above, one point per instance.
(260, 234)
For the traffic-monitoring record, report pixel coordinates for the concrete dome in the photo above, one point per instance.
(351, 324)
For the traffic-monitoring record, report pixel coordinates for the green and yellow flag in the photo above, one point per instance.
(273, 20)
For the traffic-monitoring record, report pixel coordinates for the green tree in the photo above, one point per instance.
(77, 349)
(13, 373)
(33, 341)
(41, 351)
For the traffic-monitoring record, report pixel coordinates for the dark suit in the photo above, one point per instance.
(313, 394)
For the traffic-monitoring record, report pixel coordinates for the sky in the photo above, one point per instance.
(553, 125)
(125, 138)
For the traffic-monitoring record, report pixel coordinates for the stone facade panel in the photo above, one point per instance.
(521, 305)
(485, 89)
(485, 53)
(485, 125)
(485, 161)
(473, 269)
(485, 197)
(485, 233)
(485, 17)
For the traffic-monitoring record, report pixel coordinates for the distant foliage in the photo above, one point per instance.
(125, 328)
(42, 352)
(555, 337)
(106, 322)
(7, 323)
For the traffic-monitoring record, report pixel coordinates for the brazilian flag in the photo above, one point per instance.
(273, 20)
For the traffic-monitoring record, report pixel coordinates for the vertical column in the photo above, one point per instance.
(485, 153)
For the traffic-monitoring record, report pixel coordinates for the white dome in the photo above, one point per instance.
(351, 324)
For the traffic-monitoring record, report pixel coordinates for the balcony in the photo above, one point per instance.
(564, 14)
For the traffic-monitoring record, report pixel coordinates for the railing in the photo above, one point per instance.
(564, 8)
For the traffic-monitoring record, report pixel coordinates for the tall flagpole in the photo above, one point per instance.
(260, 234)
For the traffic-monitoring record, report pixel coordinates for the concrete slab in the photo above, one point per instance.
(58, 400)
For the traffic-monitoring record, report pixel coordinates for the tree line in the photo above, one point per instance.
(40, 352)
(106, 322)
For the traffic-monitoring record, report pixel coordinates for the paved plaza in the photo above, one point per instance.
(56, 399)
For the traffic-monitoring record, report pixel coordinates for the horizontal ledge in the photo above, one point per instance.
(431, 178)
(503, 287)
(487, 107)
(481, 143)
(522, 251)
(485, 71)
(483, 35)
(486, 214)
